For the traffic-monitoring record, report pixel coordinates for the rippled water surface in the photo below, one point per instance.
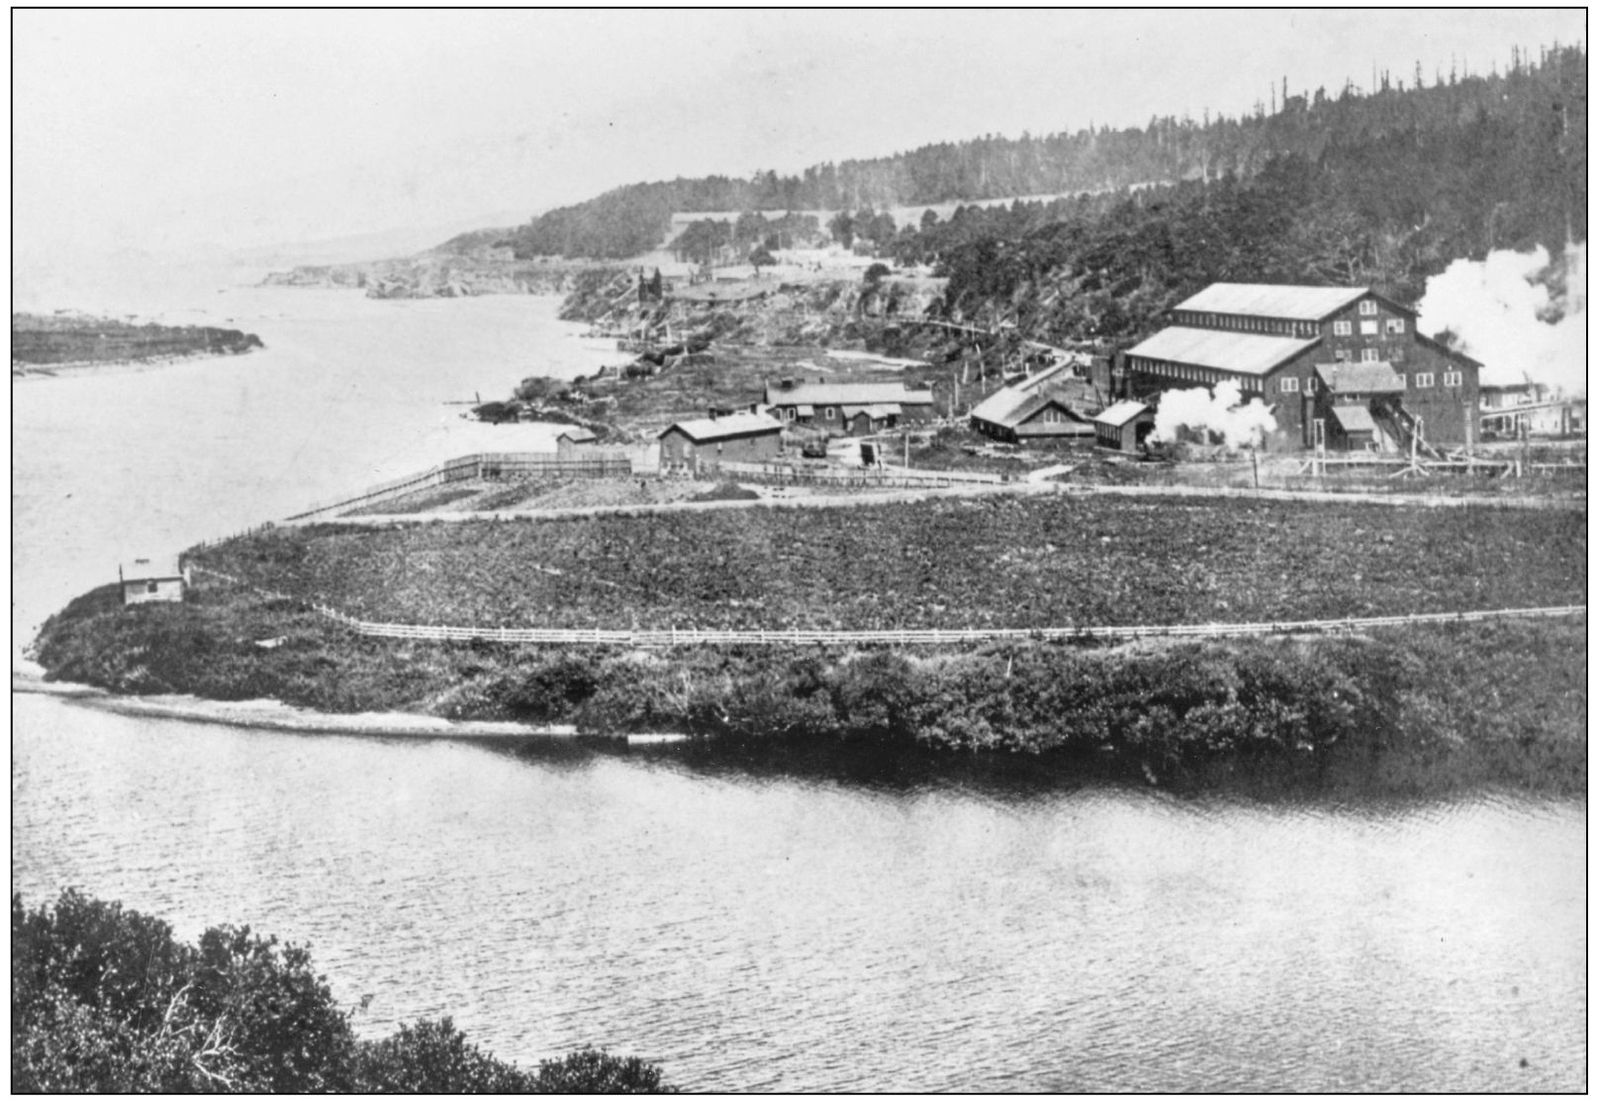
(753, 933)
(746, 931)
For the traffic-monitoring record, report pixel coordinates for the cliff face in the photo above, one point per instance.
(440, 274)
(766, 311)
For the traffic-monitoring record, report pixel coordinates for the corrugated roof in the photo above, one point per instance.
(152, 569)
(1360, 378)
(847, 393)
(721, 428)
(997, 407)
(1354, 418)
(1220, 350)
(1001, 406)
(1273, 300)
(1122, 411)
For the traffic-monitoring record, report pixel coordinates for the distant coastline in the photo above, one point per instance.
(70, 344)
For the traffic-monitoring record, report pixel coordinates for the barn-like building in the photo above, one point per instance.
(1034, 408)
(848, 408)
(1279, 343)
(736, 437)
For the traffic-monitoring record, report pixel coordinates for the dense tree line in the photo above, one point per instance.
(1386, 207)
(1507, 149)
(105, 1000)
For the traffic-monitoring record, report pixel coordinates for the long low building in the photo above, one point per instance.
(1270, 340)
(736, 437)
(848, 408)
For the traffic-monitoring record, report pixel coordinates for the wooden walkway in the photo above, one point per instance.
(933, 637)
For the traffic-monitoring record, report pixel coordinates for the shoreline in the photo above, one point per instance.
(83, 369)
(274, 715)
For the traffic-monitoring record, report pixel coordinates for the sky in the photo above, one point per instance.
(177, 132)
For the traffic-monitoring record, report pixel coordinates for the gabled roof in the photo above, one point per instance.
(1354, 418)
(1274, 300)
(1118, 414)
(1001, 406)
(1222, 350)
(577, 435)
(152, 569)
(722, 428)
(998, 406)
(875, 412)
(1360, 378)
(847, 393)
(1036, 404)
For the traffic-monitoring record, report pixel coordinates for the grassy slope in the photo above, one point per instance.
(1410, 710)
(990, 562)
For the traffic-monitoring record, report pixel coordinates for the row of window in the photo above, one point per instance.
(1189, 374)
(1369, 355)
(1395, 326)
(1424, 380)
(1245, 324)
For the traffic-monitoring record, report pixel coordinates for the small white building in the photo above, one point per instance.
(147, 579)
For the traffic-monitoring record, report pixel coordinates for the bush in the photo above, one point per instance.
(103, 1000)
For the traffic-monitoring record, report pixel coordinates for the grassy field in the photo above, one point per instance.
(984, 562)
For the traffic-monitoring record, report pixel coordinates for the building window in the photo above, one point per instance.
(1370, 355)
(1340, 355)
(1395, 324)
(1423, 380)
(831, 413)
(1342, 328)
(1396, 355)
(1288, 386)
(1309, 385)
(1367, 328)
(1453, 378)
(1367, 307)
(152, 587)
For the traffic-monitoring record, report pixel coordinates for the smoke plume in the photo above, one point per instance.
(1222, 413)
(1523, 316)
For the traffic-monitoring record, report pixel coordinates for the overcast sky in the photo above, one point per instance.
(162, 130)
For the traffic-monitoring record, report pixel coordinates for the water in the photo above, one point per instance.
(749, 931)
(349, 392)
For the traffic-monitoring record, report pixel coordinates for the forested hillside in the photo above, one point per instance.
(1379, 181)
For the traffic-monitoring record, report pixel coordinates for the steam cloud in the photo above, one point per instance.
(1222, 412)
(1523, 316)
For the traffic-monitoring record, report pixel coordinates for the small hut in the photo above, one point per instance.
(159, 579)
(1123, 426)
(576, 443)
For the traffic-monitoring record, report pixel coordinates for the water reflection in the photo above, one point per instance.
(875, 927)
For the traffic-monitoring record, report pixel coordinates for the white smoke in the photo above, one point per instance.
(1221, 412)
(1522, 316)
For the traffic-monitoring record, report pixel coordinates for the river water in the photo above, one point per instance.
(747, 930)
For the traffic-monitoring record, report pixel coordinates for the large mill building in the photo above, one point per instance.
(1292, 347)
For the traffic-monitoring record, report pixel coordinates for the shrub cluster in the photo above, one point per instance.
(105, 1000)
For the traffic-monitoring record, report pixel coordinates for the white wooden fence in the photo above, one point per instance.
(507, 464)
(928, 637)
